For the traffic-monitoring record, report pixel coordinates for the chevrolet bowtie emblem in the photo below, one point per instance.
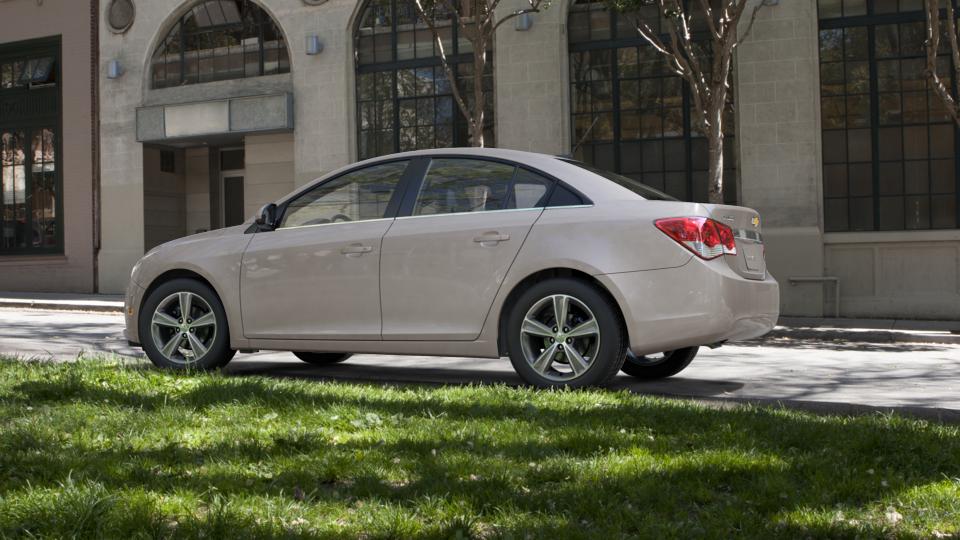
(755, 221)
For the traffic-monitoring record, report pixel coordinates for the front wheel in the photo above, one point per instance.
(183, 326)
(565, 333)
(322, 359)
(659, 366)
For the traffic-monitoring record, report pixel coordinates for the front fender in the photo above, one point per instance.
(214, 258)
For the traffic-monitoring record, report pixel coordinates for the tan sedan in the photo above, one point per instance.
(573, 273)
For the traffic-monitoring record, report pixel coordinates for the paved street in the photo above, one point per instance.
(812, 373)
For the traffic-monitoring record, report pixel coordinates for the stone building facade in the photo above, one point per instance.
(857, 186)
(48, 150)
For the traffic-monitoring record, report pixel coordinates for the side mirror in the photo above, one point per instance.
(267, 219)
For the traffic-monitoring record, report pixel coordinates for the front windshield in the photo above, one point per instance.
(635, 186)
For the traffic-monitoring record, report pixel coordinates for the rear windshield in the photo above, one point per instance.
(635, 186)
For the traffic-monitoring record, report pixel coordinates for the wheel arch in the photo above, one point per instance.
(537, 277)
(177, 273)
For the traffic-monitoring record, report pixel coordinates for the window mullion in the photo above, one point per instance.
(687, 138)
(956, 150)
(28, 186)
(874, 123)
(615, 95)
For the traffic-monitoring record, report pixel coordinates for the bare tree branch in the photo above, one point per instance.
(708, 14)
(708, 83)
(451, 77)
(534, 8)
(753, 19)
(933, 47)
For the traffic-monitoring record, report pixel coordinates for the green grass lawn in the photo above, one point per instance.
(106, 449)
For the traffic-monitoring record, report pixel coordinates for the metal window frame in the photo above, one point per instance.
(455, 59)
(613, 44)
(260, 20)
(871, 21)
(23, 50)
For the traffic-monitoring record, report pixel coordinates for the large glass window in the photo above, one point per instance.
(889, 145)
(356, 196)
(404, 99)
(218, 40)
(30, 187)
(630, 114)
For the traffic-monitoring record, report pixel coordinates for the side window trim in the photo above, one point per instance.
(392, 206)
(413, 180)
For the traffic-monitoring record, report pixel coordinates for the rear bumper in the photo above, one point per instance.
(699, 303)
(131, 308)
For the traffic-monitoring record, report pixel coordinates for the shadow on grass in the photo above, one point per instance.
(565, 464)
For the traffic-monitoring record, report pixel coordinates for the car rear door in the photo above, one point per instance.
(317, 276)
(446, 256)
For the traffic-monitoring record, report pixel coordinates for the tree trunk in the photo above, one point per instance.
(479, 99)
(715, 153)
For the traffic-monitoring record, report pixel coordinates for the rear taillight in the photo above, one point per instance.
(706, 238)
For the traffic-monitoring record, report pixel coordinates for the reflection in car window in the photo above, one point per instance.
(529, 190)
(457, 185)
(355, 196)
(635, 186)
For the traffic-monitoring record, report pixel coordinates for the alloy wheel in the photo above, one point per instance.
(560, 337)
(183, 327)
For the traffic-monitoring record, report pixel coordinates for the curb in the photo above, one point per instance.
(862, 336)
(99, 307)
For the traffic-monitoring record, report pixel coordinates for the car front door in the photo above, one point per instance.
(317, 275)
(443, 263)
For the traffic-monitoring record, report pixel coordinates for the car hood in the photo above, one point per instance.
(200, 237)
(174, 253)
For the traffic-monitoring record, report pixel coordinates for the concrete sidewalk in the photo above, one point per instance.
(110, 303)
(792, 328)
(841, 377)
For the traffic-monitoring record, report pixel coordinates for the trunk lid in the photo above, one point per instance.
(749, 261)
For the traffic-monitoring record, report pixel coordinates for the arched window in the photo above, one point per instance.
(404, 100)
(630, 114)
(218, 40)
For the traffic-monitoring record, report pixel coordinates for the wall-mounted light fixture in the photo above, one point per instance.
(114, 69)
(524, 22)
(313, 45)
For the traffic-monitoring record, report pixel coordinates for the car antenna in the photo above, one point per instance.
(584, 138)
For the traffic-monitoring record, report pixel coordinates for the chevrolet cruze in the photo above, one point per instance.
(573, 273)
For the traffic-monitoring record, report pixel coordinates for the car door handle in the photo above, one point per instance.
(491, 238)
(355, 250)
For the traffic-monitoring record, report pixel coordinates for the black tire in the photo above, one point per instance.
(673, 362)
(322, 359)
(217, 355)
(612, 338)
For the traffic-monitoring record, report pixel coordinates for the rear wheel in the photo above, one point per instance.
(565, 333)
(659, 366)
(322, 359)
(183, 326)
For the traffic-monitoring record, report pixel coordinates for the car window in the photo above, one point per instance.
(529, 190)
(457, 185)
(564, 196)
(355, 196)
(635, 186)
